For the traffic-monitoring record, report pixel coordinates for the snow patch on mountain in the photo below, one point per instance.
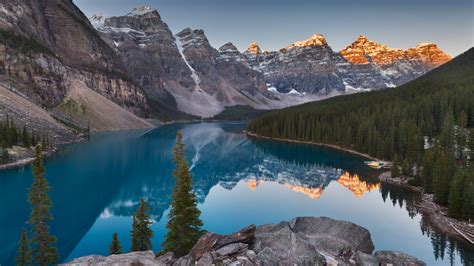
(97, 20)
(295, 92)
(194, 76)
(350, 88)
(272, 89)
(140, 11)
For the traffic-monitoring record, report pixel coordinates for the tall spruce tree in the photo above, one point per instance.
(33, 138)
(115, 247)
(468, 197)
(395, 170)
(456, 194)
(471, 147)
(141, 232)
(407, 168)
(24, 253)
(442, 176)
(43, 142)
(44, 251)
(427, 171)
(25, 137)
(447, 134)
(184, 224)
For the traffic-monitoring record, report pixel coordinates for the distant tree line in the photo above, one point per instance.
(11, 135)
(425, 127)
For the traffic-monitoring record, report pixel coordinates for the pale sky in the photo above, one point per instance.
(274, 24)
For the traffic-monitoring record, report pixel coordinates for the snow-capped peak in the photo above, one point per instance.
(97, 20)
(140, 11)
(254, 48)
(315, 40)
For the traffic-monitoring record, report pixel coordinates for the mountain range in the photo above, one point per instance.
(131, 71)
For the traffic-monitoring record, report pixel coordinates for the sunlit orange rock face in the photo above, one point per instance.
(362, 49)
(314, 193)
(254, 48)
(429, 53)
(315, 40)
(355, 185)
(252, 184)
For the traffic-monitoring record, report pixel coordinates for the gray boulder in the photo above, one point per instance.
(312, 238)
(133, 258)
(397, 258)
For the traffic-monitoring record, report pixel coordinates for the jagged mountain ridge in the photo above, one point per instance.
(200, 79)
(52, 55)
(312, 66)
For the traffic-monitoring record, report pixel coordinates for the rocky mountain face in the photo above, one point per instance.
(148, 51)
(306, 67)
(311, 66)
(183, 71)
(301, 241)
(110, 73)
(52, 56)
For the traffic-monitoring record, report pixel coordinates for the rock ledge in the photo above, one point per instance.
(301, 241)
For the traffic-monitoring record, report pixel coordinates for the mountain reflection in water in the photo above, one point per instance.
(355, 184)
(352, 182)
(237, 180)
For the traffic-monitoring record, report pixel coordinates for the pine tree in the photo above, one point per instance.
(141, 232)
(184, 224)
(427, 172)
(115, 247)
(406, 168)
(462, 119)
(43, 142)
(134, 232)
(468, 195)
(24, 253)
(44, 251)
(456, 195)
(446, 137)
(25, 137)
(33, 138)
(442, 175)
(471, 147)
(395, 167)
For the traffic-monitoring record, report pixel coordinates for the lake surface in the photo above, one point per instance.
(238, 181)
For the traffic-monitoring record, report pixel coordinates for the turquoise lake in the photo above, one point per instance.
(238, 181)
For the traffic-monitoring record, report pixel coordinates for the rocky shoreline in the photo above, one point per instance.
(301, 241)
(436, 214)
(28, 157)
(364, 155)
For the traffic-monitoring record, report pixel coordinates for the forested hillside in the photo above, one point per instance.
(11, 135)
(435, 110)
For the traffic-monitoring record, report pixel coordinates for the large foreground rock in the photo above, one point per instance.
(133, 258)
(310, 239)
(301, 241)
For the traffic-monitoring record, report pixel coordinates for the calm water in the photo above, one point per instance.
(238, 181)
